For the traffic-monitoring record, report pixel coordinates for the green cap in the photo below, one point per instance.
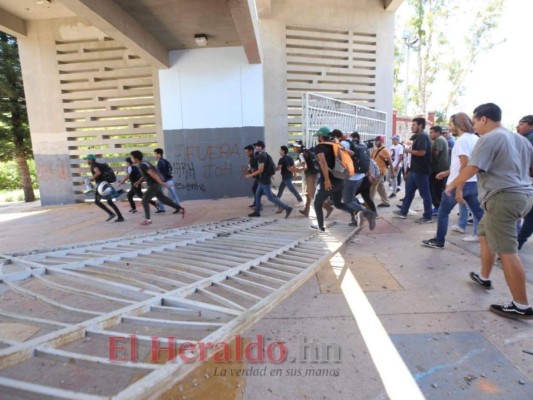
(90, 157)
(324, 131)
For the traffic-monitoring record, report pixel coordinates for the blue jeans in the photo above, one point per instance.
(172, 192)
(418, 181)
(447, 203)
(463, 219)
(266, 189)
(348, 194)
(288, 183)
(527, 228)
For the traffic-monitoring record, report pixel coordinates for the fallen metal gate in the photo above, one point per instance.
(205, 283)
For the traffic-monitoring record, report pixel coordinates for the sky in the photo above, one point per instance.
(504, 75)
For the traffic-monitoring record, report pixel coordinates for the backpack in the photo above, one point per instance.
(361, 157)
(107, 173)
(135, 174)
(270, 167)
(343, 168)
(311, 162)
(373, 171)
(167, 170)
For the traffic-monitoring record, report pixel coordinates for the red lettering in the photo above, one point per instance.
(113, 348)
(238, 348)
(249, 348)
(271, 352)
(223, 354)
(170, 349)
(203, 348)
(133, 348)
(186, 347)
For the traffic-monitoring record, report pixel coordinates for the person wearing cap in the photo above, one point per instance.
(419, 172)
(97, 170)
(328, 185)
(396, 154)
(265, 181)
(309, 166)
(382, 157)
(286, 167)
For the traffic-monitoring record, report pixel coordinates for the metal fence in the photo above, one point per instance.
(321, 111)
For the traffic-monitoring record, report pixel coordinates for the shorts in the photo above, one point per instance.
(498, 224)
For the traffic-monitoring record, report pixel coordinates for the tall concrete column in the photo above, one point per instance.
(45, 112)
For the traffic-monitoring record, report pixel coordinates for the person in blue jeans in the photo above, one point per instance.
(419, 172)
(465, 194)
(265, 170)
(286, 166)
(165, 170)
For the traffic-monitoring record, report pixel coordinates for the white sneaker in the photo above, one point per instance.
(458, 229)
(471, 238)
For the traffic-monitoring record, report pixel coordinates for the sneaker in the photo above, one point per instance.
(288, 212)
(317, 228)
(254, 214)
(424, 220)
(458, 229)
(356, 219)
(279, 210)
(487, 284)
(111, 216)
(371, 218)
(383, 205)
(329, 211)
(303, 212)
(512, 311)
(392, 195)
(131, 210)
(159, 211)
(252, 205)
(119, 219)
(435, 212)
(146, 222)
(433, 244)
(399, 214)
(471, 238)
(397, 190)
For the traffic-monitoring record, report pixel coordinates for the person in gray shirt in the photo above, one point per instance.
(502, 160)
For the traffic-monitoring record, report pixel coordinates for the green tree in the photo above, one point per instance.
(437, 59)
(15, 139)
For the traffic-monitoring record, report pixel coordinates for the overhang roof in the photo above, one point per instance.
(150, 27)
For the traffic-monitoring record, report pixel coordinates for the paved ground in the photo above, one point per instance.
(418, 299)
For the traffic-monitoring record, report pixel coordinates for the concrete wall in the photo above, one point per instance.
(364, 16)
(211, 107)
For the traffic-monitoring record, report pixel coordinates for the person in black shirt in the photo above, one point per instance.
(328, 185)
(133, 173)
(265, 171)
(165, 171)
(96, 170)
(286, 166)
(155, 186)
(252, 167)
(419, 172)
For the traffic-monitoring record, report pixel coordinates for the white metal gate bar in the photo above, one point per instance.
(224, 278)
(321, 111)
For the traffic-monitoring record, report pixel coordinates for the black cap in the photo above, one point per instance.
(249, 147)
(259, 143)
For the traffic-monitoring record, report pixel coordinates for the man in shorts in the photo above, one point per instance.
(502, 160)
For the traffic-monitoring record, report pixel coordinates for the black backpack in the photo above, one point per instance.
(361, 157)
(313, 167)
(167, 170)
(107, 172)
(270, 167)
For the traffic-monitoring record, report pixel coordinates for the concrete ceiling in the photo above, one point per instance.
(152, 27)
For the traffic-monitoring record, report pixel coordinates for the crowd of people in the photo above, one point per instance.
(478, 164)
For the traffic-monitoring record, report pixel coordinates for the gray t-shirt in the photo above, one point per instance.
(504, 159)
(442, 161)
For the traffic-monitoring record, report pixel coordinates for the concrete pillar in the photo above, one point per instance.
(45, 112)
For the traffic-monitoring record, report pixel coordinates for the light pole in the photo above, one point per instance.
(410, 42)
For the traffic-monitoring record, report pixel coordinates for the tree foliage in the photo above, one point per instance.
(15, 140)
(443, 54)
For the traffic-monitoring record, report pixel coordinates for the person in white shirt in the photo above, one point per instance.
(465, 193)
(396, 153)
